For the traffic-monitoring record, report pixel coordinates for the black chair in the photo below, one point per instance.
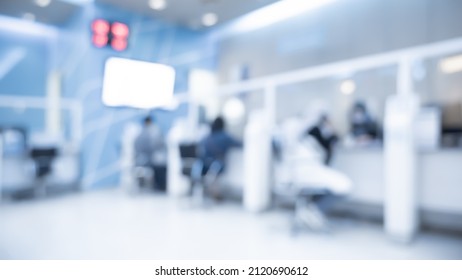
(191, 166)
(190, 161)
(201, 174)
(43, 158)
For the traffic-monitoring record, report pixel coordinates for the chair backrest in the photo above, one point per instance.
(188, 151)
(43, 158)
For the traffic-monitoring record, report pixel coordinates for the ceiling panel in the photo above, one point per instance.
(189, 12)
(57, 12)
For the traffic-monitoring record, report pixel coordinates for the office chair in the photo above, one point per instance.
(192, 167)
(201, 174)
(142, 172)
(144, 176)
(43, 158)
(303, 195)
(301, 175)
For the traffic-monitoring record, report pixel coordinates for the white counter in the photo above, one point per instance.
(440, 176)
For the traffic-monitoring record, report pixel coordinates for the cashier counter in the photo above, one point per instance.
(439, 180)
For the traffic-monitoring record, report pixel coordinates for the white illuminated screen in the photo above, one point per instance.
(137, 84)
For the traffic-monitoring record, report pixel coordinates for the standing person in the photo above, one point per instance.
(150, 150)
(325, 136)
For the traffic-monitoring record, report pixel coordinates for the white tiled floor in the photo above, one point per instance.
(112, 224)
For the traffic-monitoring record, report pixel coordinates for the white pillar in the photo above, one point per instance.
(257, 162)
(77, 124)
(405, 82)
(177, 184)
(270, 105)
(1, 167)
(401, 206)
(193, 119)
(271, 113)
(53, 111)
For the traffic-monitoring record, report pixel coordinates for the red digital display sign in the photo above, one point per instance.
(114, 34)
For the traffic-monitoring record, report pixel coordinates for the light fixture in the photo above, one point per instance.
(209, 19)
(43, 3)
(158, 5)
(451, 64)
(234, 110)
(348, 87)
(273, 13)
(28, 16)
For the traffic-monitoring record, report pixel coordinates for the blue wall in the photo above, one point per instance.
(28, 75)
(82, 65)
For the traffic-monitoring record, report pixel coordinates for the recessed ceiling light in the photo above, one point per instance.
(451, 64)
(348, 87)
(209, 19)
(157, 4)
(234, 110)
(28, 16)
(43, 3)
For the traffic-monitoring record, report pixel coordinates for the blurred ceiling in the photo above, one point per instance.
(56, 11)
(186, 13)
(189, 12)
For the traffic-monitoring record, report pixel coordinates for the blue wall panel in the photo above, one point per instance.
(82, 69)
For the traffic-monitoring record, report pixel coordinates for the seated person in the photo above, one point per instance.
(215, 146)
(363, 128)
(150, 151)
(325, 136)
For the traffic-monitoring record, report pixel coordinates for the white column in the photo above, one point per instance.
(177, 184)
(257, 157)
(270, 109)
(270, 105)
(401, 207)
(258, 179)
(53, 104)
(77, 124)
(405, 82)
(193, 119)
(1, 167)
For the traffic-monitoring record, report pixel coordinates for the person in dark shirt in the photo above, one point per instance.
(362, 126)
(215, 146)
(324, 134)
(213, 150)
